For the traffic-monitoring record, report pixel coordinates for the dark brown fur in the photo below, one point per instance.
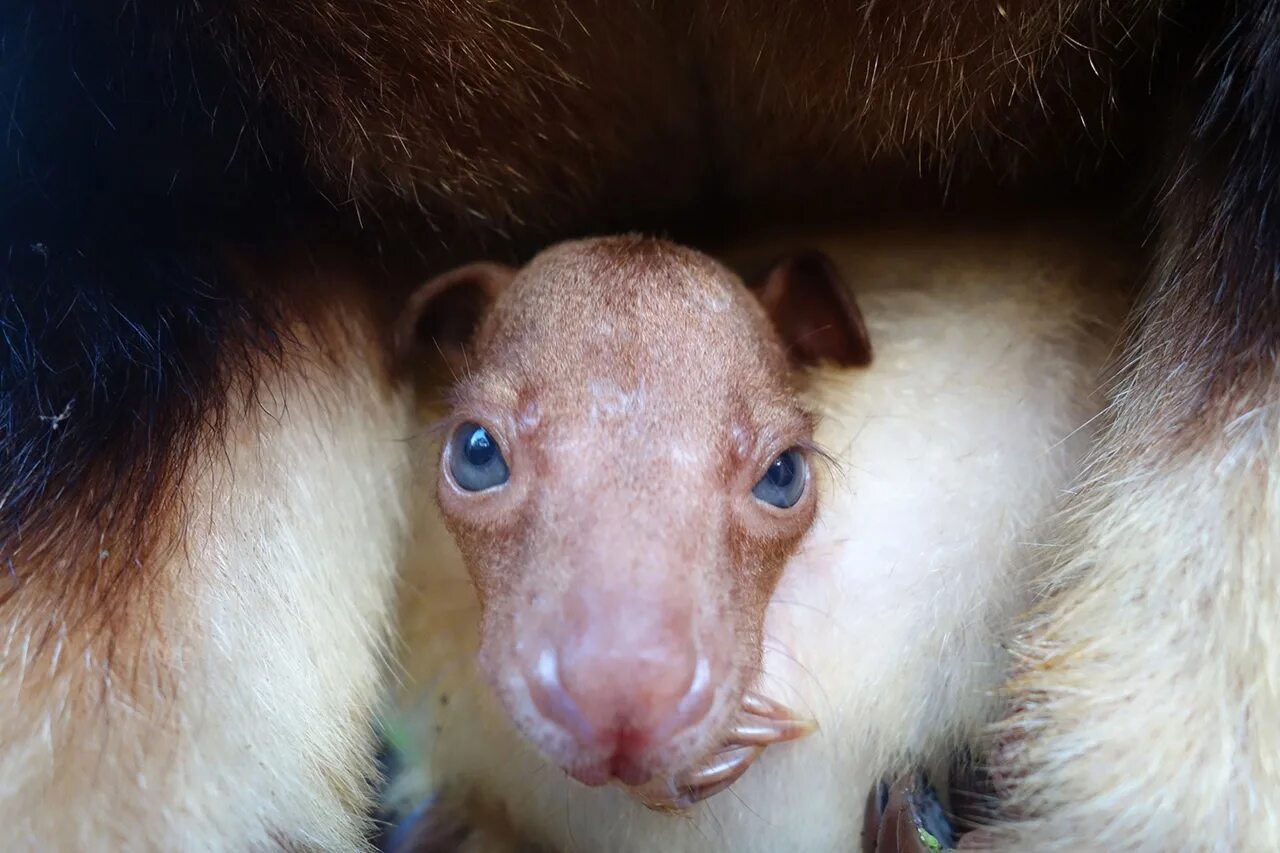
(457, 108)
(537, 117)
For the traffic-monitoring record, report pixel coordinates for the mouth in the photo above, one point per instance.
(759, 724)
(618, 766)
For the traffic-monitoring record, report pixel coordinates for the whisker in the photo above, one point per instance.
(802, 604)
(827, 456)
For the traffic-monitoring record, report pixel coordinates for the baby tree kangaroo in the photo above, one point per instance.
(626, 470)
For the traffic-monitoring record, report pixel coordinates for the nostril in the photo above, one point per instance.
(552, 700)
(694, 704)
(698, 697)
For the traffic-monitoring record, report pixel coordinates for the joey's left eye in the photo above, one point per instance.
(783, 484)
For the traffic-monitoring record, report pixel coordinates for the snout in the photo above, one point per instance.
(626, 678)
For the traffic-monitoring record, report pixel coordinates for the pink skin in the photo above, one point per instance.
(638, 392)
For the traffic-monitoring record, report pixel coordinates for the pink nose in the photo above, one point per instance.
(621, 693)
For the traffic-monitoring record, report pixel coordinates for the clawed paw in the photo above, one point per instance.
(761, 723)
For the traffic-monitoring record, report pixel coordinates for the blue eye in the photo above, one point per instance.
(783, 483)
(475, 461)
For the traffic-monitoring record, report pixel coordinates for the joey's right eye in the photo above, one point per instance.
(475, 460)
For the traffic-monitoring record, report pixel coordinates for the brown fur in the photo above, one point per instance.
(869, 95)
(538, 115)
(456, 107)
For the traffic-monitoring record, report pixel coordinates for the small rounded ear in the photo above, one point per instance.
(814, 312)
(442, 315)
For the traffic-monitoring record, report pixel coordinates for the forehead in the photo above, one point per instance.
(623, 314)
(643, 343)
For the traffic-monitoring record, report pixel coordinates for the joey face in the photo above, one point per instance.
(626, 470)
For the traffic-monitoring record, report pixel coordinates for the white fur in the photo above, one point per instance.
(954, 447)
(237, 715)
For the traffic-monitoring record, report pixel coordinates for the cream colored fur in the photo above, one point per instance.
(246, 720)
(954, 448)
(1154, 720)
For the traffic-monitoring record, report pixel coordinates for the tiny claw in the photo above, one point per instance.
(720, 771)
(754, 703)
(716, 775)
(730, 765)
(768, 732)
(763, 723)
